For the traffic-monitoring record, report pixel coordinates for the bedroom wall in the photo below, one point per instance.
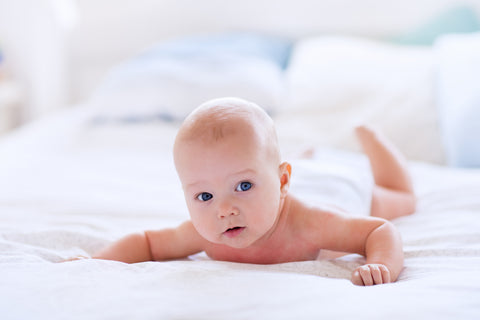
(34, 36)
(59, 50)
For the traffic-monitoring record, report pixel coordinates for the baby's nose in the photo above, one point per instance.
(227, 209)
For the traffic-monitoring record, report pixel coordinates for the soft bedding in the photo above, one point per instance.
(91, 183)
(73, 182)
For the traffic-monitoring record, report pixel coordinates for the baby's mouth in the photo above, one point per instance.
(233, 232)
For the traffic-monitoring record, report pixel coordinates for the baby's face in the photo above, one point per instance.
(231, 188)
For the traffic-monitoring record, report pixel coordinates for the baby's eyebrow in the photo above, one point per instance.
(193, 184)
(243, 172)
(239, 173)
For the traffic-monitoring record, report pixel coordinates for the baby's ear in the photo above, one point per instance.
(285, 174)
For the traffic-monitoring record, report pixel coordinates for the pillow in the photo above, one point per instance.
(459, 19)
(458, 89)
(337, 83)
(171, 79)
(269, 48)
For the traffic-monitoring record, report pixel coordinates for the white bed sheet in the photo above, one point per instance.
(69, 187)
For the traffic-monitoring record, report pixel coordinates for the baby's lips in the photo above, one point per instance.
(233, 232)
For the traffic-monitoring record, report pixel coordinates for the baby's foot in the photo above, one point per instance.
(389, 166)
(307, 153)
(375, 143)
(366, 133)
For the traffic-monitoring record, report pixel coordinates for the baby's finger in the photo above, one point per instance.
(385, 273)
(75, 258)
(376, 274)
(357, 279)
(366, 275)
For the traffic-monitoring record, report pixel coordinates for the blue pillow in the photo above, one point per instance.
(459, 19)
(174, 77)
(274, 49)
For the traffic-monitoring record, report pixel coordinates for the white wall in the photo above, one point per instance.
(33, 36)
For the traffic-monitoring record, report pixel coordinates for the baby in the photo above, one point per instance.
(236, 189)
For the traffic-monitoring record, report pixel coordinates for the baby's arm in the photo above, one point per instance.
(131, 248)
(384, 253)
(375, 238)
(157, 245)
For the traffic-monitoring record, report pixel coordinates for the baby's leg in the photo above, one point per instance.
(393, 194)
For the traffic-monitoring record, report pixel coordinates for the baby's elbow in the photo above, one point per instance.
(389, 227)
(384, 230)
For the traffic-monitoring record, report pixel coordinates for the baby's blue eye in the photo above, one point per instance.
(204, 196)
(243, 186)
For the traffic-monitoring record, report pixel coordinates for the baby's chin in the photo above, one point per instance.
(234, 239)
(238, 245)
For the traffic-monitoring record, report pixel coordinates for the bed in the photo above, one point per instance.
(74, 181)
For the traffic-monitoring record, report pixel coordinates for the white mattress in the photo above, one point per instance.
(69, 187)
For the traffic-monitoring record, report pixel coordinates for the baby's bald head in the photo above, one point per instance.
(219, 119)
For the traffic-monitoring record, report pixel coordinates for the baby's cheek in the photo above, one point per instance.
(270, 209)
(204, 228)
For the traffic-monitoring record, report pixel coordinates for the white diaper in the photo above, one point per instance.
(334, 178)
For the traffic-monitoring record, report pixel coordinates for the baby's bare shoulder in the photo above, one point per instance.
(312, 227)
(331, 228)
(317, 224)
(303, 212)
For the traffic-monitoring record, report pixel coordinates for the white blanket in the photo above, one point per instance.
(69, 186)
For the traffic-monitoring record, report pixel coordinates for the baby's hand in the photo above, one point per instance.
(75, 258)
(371, 274)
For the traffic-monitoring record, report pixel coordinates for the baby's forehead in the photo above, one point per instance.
(231, 134)
(225, 121)
(219, 122)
